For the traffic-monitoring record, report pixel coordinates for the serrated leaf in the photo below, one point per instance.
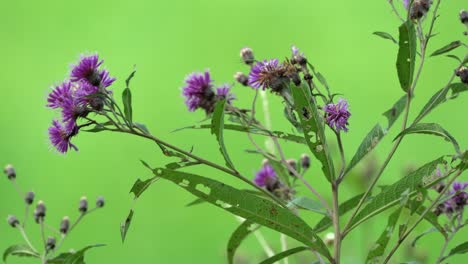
(309, 204)
(377, 133)
(241, 232)
(441, 97)
(19, 251)
(385, 35)
(431, 230)
(313, 129)
(451, 46)
(126, 225)
(380, 245)
(391, 196)
(73, 258)
(248, 206)
(217, 126)
(430, 129)
(406, 55)
(283, 255)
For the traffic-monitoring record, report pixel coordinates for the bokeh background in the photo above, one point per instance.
(166, 40)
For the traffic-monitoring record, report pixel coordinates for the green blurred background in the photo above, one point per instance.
(166, 40)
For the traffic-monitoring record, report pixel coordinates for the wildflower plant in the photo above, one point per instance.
(319, 116)
(51, 238)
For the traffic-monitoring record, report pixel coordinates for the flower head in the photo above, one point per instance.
(337, 115)
(61, 135)
(87, 71)
(265, 176)
(198, 91)
(61, 95)
(264, 73)
(457, 201)
(223, 93)
(406, 3)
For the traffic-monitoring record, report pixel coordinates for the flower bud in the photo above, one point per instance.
(10, 172)
(462, 72)
(264, 162)
(305, 161)
(29, 198)
(419, 8)
(464, 17)
(50, 244)
(100, 202)
(329, 239)
(13, 221)
(247, 55)
(241, 78)
(65, 225)
(83, 207)
(293, 164)
(40, 212)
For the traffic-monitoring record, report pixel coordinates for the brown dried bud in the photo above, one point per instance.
(29, 198)
(100, 202)
(13, 221)
(10, 172)
(462, 72)
(40, 212)
(464, 17)
(50, 244)
(247, 55)
(83, 206)
(305, 161)
(241, 78)
(293, 164)
(65, 225)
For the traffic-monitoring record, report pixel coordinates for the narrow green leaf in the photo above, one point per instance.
(385, 35)
(431, 129)
(451, 46)
(126, 225)
(377, 133)
(309, 204)
(217, 126)
(390, 196)
(241, 232)
(142, 127)
(73, 258)
(460, 249)
(19, 251)
(406, 55)
(127, 98)
(313, 128)
(441, 97)
(140, 186)
(254, 192)
(454, 57)
(248, 206)
(432, 219)
(283, 255)
(431, 230)
(281, 171)
(380, 245)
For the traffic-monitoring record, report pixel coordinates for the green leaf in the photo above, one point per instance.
(142, 127)
(254, 192)
(431, 129)
(126, 225)
(140, 186)
(283, 255)
(377, 133)
(380, 245)
(127, 102)
(451, 46)
(309, 204)
(460, 249)
(20, 251)
(345, 207)
(73, 258)
(217, 126)
(248, 206)
(281, 171)
(431, 230)
(441, 97)
(385, 35)
(245, 229)
(313, 129)
(392, 195)
(432, 219)
(406, 55)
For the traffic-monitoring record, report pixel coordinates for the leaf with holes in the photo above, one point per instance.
(392, 195)
(126, 225)
(73, 258)
(313, 129)
(248, 206)
(449, 47)
(406, 55)
(430, 129)
(385, 35)
(245, 229)
(380, 245)
(309, 204)
(19, 251)
(140, 186)
(217, 126)
(283, 255)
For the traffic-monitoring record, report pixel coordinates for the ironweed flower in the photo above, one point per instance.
(60, 135)
(337, 115)
(462, 72)
(60, 96)
(40, 212)
(298, 57)
(265, 176)
(13, 221)
(419, 8)
(247, 56)
(241, 78)
(305, 161)
(87, 71)
(223, 93)
(10, 172)
(100, 202)
(83, 206)
(264, 73)
(65, 225)
(198, 91)
(457, 201)
(464, 17)
(29, 198)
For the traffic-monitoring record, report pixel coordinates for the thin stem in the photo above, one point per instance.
(26, 213)
(266, 114)
(444, 247)
(26, 239)
(396, 11)
(342, 155)
(336, 223)
(261, 240)
(284, 246)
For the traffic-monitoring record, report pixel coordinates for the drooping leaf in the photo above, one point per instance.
(431, 230)
(385, 35)
(431, 129)
(454, 57)
(377, 133)
(313, 128)
(127, 103)
(451, 46)
(305, 202)
(460, 249)
(126, 225)
(73, 258)
(254, 192)
(248, 206)
(380, 245)
(140, 186)
(406, 55)
(281, 171)
(241, 232)
(441, 97)
(142, 127)
(432, 219)
(345, 207)
(19, 251)
(217, 126)
(283, 255)
(390, 196)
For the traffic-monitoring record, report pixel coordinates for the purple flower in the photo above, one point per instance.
(223, 92)
(337, 115)
(60, 96)
(406, 3)
(294, 50)
(265, 176)
(87, 71)
(458, 200)
(60, 136)
(198, 91)
(263, 73)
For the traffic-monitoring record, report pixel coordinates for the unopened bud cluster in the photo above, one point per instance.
(420, 8)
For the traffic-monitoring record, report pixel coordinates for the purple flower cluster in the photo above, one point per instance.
(458, 199)
(263, 73)
(199, 92)
(74, 99)
(265, 176)
(337, 115)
